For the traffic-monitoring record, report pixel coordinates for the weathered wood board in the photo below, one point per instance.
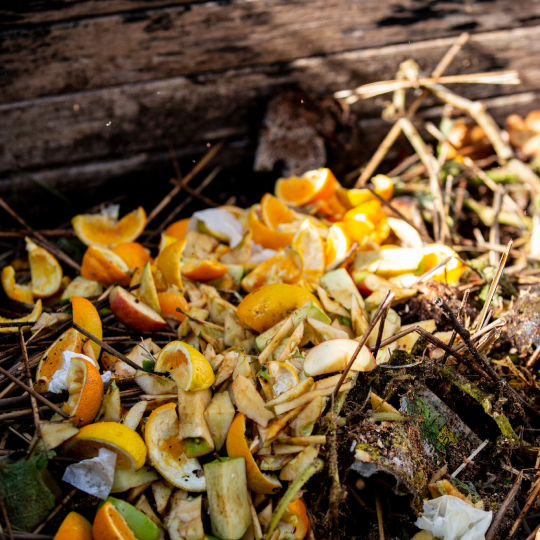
(147, 116)
(110, 49)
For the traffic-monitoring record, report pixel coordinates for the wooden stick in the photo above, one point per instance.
(180, 185)
(33, 402)
(387, 300)
(31, 391)
(394, 133)
(39, 238)
(530, 500)
(59, 507)
(107, 347)
(504, 507)
(375, 89)
(380, 522)
(205, 183)
(6, 518)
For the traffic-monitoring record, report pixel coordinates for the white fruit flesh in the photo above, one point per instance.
(334, 355)
(249, 402)
(219, 416)
(230, 513)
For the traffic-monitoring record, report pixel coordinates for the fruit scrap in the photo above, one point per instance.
(238, 328)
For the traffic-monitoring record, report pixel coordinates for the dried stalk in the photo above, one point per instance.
(432, 166)
(39, 238)
(504, 507)
(375, 89)
(181, 185)
(395, 131)
(106, 347)
(33, 402)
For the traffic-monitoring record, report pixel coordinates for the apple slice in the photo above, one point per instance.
(133, 313)
(219, 416)
(334, 355)
(249, 402)
(124, 480)
(162, 493)
(406, 343)
(228, 497)
(298, 464)
(81, 287)
(147, 289)
(55, 433)
(154, 385)
(391, 262)
(339, 285)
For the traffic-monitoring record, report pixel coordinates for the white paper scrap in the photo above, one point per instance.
(94, 476)
(449, 518)
(219, 220)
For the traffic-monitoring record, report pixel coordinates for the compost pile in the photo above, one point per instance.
(331, 362)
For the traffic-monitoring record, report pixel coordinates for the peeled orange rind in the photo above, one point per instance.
(166, 453)
(237, 446)
(85, 392)
(20, 293)
(105, 230)
(31, 318)
(45, 270)
(170, 264)
(103, 265)
(53, 360)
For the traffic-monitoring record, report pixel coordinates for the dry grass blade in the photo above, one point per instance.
(375, 89)
(493, 287)
(393, 134)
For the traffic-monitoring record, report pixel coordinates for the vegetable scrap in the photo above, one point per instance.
(331, 362)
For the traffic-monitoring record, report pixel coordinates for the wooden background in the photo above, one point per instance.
(92, 91)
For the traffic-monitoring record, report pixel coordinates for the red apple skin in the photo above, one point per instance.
(359, 278)
(131, 312)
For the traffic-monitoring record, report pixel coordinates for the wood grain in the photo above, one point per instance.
(134, 118)
(111, 49)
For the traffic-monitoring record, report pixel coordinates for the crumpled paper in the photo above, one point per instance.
(227, 224)
(449, 518)
(94, 476)
(58, 382)
(219, 220)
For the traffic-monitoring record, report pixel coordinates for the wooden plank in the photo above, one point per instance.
(123, 48)
(31, 12)
(142, 117)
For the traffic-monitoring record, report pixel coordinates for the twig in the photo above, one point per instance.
(394, 132)
(6, 517)
(39, 238)
(388, 204)
(466, 337)
(180, 185)
(33, 402)
(206, 182)
(432, 168)
(494, 234)
(504, 507)
(405, 164)
(433, 271)
(477, 110)
(387, 300)
(31, 391)
(345, 257)
(108, 348)
(200, 321)
(530, 501)
(378, 508)
(470, 458)
(493, 287)
(459, 317)
(382, 322)
(375, 89)
(533, 358)
(59, 507)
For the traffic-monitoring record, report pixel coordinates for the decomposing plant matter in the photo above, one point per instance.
(314, 364)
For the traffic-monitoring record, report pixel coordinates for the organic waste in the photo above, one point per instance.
(330, 362)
